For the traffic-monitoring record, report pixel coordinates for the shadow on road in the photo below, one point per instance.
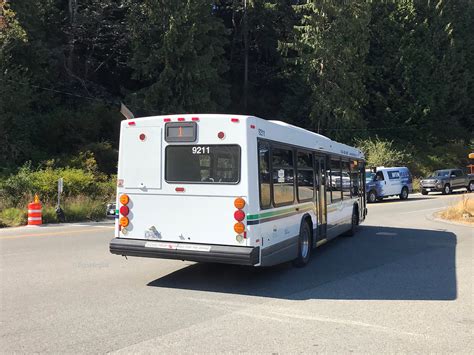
(378, 263)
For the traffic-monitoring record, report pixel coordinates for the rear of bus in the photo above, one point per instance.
(182, 189)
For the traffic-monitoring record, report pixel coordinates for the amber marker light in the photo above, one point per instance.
(239, 228)
(124, 199)
(239, 203)
(124, 221)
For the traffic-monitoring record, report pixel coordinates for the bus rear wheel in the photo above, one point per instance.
(304, 246)
(354, 222)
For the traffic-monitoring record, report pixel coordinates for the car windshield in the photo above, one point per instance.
(440, 173)
(369, 177)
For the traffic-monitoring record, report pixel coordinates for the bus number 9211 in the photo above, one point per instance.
(201, 150)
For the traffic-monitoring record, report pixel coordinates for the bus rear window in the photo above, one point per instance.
(206, 164)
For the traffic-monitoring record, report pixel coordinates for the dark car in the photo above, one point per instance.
(446, 181)
(111, 211)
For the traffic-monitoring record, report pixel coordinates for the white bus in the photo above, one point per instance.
(233, 189)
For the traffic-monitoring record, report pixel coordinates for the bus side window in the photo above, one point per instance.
(346, 180)
(355, 178)
(283, 176)
(305, 181)
(264, 174)
(336, 180)
(328, 182)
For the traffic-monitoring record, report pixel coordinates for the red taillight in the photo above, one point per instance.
(179, 189)
(195, 118)
(221, 135)
(167, 119)
(252, 126)
(142, 137)
(131, 123)
(181, 119)
(239, 215)
(235, 120)
(124, 210)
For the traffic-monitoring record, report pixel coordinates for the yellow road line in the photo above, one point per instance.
(65, 233)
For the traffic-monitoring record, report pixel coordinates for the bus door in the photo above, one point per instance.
(362, 192)
(320, 173)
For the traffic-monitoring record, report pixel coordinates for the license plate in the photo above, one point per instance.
(194, 247)
(428, 189)
(176, 246)
(112, 211)
(161, 245)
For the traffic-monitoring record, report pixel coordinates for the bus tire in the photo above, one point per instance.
(354, 222)
(404, 193)
(304, 245)
(372, 197)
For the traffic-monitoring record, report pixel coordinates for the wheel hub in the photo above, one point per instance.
(305, 244)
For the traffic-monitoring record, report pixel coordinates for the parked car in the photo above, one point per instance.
(111, 211)
(386, 182)
(336, 181)
(446, 181)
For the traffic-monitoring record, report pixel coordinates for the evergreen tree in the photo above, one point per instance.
(331, 42)
(419, 80)
(177, 56)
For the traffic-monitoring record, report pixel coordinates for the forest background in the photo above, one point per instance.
(395, 78)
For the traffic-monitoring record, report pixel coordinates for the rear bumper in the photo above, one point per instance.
(172, 250)
(432, 187)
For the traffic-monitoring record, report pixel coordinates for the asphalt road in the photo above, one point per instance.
(404, 283)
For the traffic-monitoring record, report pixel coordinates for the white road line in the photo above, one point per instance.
(426, 209)
(348, 323)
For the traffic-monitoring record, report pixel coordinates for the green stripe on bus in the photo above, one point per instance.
(253, 217)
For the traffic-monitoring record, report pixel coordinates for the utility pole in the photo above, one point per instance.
(246, 56)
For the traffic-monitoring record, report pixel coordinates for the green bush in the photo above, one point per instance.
(49, 214)
(416, 185)
(13, 217)
(18, 190)
(86, 192)
(382, 153)
(75, 210)
(450, 155)
(84, 209)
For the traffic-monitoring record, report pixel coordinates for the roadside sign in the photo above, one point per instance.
(60, 185)
(124, 110)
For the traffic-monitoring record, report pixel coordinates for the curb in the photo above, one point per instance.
(434, 218)
(55, 225)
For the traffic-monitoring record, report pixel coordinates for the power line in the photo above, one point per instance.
(370, 129)
(109, 102)
(91, 98)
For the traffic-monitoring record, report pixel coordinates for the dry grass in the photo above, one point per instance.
(462, 210)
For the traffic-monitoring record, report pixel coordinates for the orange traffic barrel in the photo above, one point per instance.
(35, 213)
